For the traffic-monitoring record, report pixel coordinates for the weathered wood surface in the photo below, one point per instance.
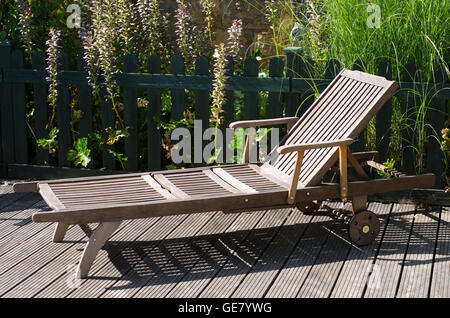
(273, 253)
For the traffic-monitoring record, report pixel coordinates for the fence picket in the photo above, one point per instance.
(108, 117)
(250, 98)
(332, 69)
(154, 110)
(85, 105)
(292, 71)
(19, 112)
(63, 117)
(201, 103)
(41, 109)
(408, 110)
(276, 68)
(436, 117)
(384, 117)
(228, 107)
(131, 115)
(6, 115)
(177, 68)
(308, 96)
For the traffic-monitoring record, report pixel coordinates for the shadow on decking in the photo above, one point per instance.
(236, 253)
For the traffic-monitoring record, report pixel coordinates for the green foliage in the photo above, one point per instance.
(120, 157)
(50, 143)
(80, 155)
(390, 163)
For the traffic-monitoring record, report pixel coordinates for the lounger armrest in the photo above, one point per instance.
(325, 144)
(290, 121)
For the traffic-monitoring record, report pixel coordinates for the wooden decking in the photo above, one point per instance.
(275, 253)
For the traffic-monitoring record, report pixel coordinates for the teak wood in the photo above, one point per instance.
(291, 174)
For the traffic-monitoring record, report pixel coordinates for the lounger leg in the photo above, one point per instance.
(96, 241)
(60, 232)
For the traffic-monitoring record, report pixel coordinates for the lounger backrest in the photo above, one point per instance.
(342, 111)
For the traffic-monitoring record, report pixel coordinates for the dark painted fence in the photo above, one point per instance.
(288, 85)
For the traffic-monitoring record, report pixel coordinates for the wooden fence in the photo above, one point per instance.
(288, 86)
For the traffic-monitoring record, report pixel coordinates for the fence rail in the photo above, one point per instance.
(288, 85)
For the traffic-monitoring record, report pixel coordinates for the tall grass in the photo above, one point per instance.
(408, 31)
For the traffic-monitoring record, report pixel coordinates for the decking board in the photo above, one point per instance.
(416, 274)
(355, 273)
(193, 283)
(264, 271)
(389, 262)
(248, 252)
(116, 268)
(440, 281)
(294, 272)
(157, 257)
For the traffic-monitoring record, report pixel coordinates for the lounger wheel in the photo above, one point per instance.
(364, 228)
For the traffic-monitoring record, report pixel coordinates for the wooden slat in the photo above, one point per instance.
(233, 181)
(228, 107)
(157, 187)
(220, 182)
(162, 179)
(366, 78)
(49, 196)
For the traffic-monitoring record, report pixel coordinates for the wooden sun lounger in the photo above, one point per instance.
(291, 176)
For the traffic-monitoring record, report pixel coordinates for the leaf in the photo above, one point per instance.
(51, 143)
(81, 154)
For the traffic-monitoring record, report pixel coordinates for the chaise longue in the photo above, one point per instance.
(291, 175)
